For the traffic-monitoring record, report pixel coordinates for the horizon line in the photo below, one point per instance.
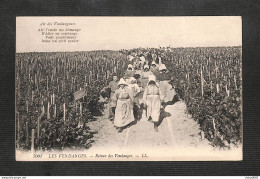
(130, 49)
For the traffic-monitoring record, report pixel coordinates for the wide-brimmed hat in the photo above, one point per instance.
(162, 67)
(152, 78)
(146, 66)
(121, 82)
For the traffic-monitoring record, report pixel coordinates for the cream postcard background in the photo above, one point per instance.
(114, 33)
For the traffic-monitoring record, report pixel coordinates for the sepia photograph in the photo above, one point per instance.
(128, 88)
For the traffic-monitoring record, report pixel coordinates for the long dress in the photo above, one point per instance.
(124, 108)
(167, 92)
(151, 98)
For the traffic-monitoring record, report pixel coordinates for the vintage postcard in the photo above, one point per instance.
(129, 88)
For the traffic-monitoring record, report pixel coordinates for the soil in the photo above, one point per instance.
(176, 129)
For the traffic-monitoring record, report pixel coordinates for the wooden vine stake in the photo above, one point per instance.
(209, 75)
(214, 126)
(108, 74)
(64, 112)
(55, 115)
(38, 129)
(32, 141)
(235, 81)
(227, 91)
(216, 70)
(76, 106)
(27, 106)
(47, 83)
(202, 135)
(43, 110)
(51, 100)
(48, 111)
(89, 78)
(80, 108)
(32, 95)
(27, 134)
(202, 83)
(217, 88)
(71, 84)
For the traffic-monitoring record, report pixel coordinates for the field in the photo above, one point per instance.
(208, 80)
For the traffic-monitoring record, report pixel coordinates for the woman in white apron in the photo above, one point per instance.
(151, 99)
(167, 92)
(124, 106)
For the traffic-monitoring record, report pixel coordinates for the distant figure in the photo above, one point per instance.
(151, 100)
(113, 86)
(129, 73)
(155, 69)
(130, 57)
(142, 60)
(124, 107)
(149, 58)
(135, 63)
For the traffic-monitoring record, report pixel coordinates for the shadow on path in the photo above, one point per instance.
(163, 114)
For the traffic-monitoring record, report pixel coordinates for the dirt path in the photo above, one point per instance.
(178, 139)
(177, 129)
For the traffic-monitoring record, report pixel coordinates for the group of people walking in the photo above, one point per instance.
(144, 87)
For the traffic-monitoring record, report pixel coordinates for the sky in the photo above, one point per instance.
(114, 33)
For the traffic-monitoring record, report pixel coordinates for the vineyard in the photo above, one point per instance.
(207, 79)
(45, 105)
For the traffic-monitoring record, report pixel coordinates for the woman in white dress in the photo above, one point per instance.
(167, 92)
(151, 99)
(124, 106)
